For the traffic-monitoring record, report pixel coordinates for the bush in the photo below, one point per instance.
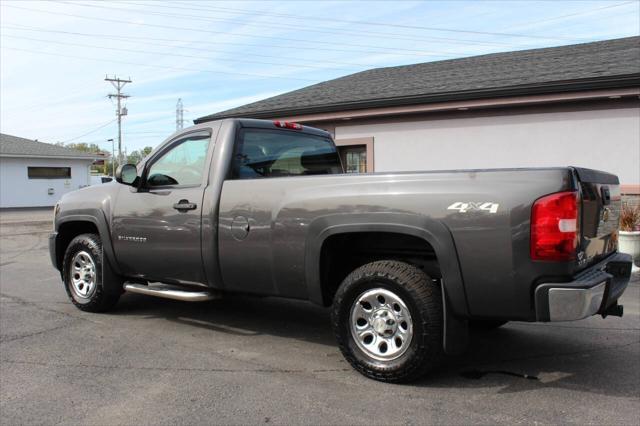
(630, 218)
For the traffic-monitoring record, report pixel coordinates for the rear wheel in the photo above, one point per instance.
(387, 317)
(87, 277)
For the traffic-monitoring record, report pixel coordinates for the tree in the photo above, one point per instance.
(92, 148)
(133, 158)
(108, 166)
(138, 155)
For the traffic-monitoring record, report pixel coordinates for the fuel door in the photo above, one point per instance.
(240, 228)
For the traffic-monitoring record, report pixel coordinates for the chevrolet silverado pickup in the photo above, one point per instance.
(406, 261)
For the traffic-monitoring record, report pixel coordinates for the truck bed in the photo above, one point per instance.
(288, 216)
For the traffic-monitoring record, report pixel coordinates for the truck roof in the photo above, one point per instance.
(269, 124)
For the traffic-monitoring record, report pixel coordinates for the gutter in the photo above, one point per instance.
(50, 157)
(566, 86)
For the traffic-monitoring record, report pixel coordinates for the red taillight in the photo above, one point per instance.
(555, 230)
(288, 125)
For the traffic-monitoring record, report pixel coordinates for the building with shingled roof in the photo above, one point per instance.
(569, 105)
(37, 174)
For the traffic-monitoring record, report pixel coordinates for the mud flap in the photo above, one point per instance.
(109, 275)
(455, 336)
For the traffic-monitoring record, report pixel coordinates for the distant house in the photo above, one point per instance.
(569, 105)
(37, 174)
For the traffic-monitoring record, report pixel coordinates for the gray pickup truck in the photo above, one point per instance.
(407, 261)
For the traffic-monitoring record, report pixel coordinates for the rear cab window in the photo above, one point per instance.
(264, 153)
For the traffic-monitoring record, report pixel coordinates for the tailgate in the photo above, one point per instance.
(601, 203)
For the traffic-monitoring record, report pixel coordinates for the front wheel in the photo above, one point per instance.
(87, 278)
(387, 318)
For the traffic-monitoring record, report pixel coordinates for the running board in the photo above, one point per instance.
(171, 292)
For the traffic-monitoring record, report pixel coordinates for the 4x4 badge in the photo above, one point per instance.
(463, 207)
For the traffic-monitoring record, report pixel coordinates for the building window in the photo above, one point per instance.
(354, 158)
(356, 154)
(49, 172)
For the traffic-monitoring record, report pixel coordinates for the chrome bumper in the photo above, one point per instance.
(591, 292)
(567, 304)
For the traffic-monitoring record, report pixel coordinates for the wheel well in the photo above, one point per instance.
(342, 253)
(67, 232)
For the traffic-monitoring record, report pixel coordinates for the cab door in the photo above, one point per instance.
(254, 238)
(157, 226)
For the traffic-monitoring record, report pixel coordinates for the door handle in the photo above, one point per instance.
(184, 205)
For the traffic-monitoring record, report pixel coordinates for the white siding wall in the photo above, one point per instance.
(17, 190)
(602, 139)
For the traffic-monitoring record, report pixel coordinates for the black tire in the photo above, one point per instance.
(486, 324)
(423, 299)
(107, 286)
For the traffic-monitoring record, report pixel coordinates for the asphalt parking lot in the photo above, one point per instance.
(249, 360)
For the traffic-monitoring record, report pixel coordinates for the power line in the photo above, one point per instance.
(167, 117)
(306, 28)
(209, 31)
(333, 19)
(196, 70)
(172, 54)
(137, 135)
(384, 24)
(583, 12)
(131, 37)
(154, 132)
(102, 126)
(58, 101)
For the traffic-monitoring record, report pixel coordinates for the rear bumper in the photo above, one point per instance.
(592, 291)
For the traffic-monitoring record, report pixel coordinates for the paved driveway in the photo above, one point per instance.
(251, 360)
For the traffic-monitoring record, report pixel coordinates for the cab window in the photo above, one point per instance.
(183, 164)
(262, 153)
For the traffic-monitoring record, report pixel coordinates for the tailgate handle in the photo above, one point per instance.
(606, 195)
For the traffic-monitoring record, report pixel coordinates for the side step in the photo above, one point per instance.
(171, 292)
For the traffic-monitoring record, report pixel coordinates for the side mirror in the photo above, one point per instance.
(127, 174)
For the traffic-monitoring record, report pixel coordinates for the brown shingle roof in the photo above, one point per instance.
(20, 147)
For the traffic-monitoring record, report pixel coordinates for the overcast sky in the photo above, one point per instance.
(217, 55)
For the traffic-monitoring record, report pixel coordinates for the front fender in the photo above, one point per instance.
(93, 205)
(96, 217)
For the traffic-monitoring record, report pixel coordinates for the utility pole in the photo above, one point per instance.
(179, 115)
(113, 158)
(118, 84)
(104, 160)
